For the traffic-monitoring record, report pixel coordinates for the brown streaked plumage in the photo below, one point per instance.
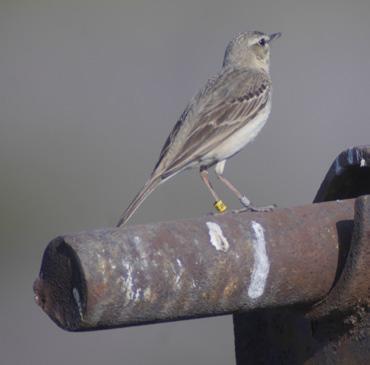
(226, 114)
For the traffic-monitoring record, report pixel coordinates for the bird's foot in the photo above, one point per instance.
(251, 208)
(248, 207)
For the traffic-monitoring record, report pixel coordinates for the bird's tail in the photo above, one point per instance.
(146, 190)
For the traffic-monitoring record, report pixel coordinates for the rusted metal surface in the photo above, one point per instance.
(333, 331)
(191, 268)
(348, 176)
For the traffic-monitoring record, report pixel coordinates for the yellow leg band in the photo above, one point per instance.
(220, 206)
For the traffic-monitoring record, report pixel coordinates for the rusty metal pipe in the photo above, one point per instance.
(192, 268)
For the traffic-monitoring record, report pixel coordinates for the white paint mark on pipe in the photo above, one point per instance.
(179, 271)
(217, 238)
(147, 293)
(77, 298)
(112, 265)
(137, 240)
(261, 266)
(137, 294)
(127, 282)
(102, 266)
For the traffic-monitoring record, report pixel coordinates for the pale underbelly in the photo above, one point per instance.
(239, 139)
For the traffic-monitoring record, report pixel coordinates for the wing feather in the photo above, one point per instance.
(226, 104)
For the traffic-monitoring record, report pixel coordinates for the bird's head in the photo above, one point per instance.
(250, 49)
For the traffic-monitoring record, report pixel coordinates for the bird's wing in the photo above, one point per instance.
(226, 104)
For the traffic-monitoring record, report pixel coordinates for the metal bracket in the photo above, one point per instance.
(349, 177)
(351, 291)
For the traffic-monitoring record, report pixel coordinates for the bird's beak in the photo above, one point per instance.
(274, 36)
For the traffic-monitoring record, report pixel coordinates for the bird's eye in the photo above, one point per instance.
(262, 42)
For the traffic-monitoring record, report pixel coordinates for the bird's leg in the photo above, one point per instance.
(219, 204)
(242, 198)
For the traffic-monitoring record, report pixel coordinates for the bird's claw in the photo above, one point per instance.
(248, 207)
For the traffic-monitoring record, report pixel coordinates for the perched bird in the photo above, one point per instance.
(224, 116)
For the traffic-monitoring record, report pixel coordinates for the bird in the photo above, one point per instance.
(220, 120)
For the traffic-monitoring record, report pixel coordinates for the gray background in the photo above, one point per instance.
(89, 91)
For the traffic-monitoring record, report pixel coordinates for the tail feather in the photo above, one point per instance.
(147, 189)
